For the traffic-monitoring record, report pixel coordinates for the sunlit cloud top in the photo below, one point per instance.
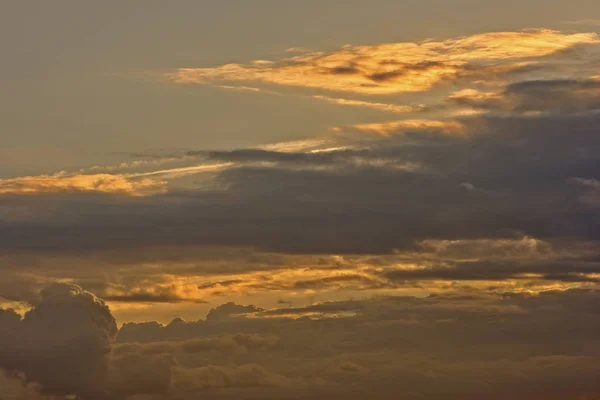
(395, 67)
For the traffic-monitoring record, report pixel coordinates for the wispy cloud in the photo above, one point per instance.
(239, 88)
(182, 171)
(395, 127)
(392, 67)
(62, 182)
(367, 104)
(584, 22)
(130, 184)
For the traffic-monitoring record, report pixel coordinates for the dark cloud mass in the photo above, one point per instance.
(62, 344)
(454, 345)
(559, 96)
(519, 171)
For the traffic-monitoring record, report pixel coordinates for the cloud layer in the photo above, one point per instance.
(445, 235)
(455, 345)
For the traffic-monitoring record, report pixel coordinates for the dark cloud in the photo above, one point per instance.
(230, 309)
(62, 344)
(354, 208)
(457, 345)
(212, 285)
(453, 345)
(144, 297)
(558, 96)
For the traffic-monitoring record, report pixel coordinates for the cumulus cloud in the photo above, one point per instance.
(467, 343)
(458, 344)
(62, 344)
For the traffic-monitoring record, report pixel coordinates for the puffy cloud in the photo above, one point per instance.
(62, 344)
(468, 344)
(368, 208)
(457, 344)
(13, 389)
(394, 67)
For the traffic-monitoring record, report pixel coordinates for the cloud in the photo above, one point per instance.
(394, 108)
(393, 67)
(60, 183)
(182, 171)
(465, 241)
(239, 88)
(390, 189)
(584, 22)
(539, 96)
(229, 310)
(148, 297)
(380, 207)
(244, 376)
(62, 344)
(593, 183)
(451, 127)
(457, 344)
(468, 344)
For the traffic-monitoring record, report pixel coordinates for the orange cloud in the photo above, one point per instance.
(104, 183)
(239, 88)
(377, 106)
(389, 128)
(392, 67)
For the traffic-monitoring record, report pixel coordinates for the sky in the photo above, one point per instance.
(287, 200)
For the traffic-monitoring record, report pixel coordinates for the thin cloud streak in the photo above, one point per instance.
(394, 108)
(103, 183)
(592, 22)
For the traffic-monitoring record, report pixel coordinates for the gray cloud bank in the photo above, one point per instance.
(509, 176)
(456, 345)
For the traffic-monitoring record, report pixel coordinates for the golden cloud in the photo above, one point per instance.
(450, 127)
(392, 67)
(104, 183)
(367, 104)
